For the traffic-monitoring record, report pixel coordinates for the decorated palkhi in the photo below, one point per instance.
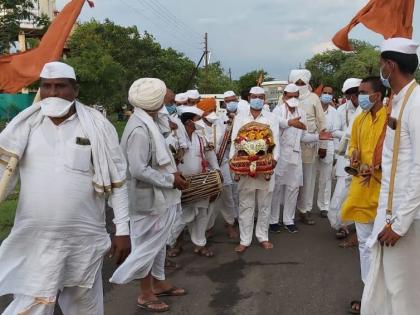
(253, 151)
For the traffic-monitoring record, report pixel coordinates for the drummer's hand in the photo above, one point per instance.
(179, 181)
(322, 153)
(120, 248)
(388, 237)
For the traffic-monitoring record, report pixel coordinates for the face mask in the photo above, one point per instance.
(232, 106)
(171, 108)
(199, 124)
(303, 91)
(365, 103)
(326, 98)
(55, 107)
(212, 117)
(292, 102)
(385, 81)
(256, 103)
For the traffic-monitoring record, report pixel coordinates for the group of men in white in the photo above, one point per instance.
(71, 162)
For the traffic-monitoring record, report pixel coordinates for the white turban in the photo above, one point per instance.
(147, 93)
(193, 94)
(401, 45)
(300, 74)
(181, 97)
(228, 94)
(291, 88)
(57, 70)
(350, 84)
(257, 90)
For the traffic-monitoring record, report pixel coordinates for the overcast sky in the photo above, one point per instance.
(244, 35)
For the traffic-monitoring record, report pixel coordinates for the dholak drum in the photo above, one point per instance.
(201, 186)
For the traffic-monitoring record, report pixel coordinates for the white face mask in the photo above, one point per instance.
(292, 102)
(303, 91)
(55, 107)
(212, 117)
(199, 124)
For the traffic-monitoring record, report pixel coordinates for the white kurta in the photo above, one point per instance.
(289, 174)
(394, 283)
(315, 122)
(257, 188)
(325, 165)
(194, 215)
(59, 236)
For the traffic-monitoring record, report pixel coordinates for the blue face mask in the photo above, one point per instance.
(256, 103)
(385, 81)
(171, 108)
(365, 103)
(232, 106)
(326, 98)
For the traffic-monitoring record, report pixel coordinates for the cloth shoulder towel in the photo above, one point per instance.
(108, 160)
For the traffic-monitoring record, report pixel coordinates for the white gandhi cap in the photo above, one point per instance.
(351, 83)
(57, 70)
(257, 90)
(401, 45)
(291, 88)
(229, 94)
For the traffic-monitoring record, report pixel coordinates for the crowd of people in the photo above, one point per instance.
(264, 165)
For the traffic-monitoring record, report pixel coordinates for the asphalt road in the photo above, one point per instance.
(305, 274)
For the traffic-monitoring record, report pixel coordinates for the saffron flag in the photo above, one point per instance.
(391, 18)
(22, 69)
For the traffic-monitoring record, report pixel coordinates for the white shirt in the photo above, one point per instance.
(243, 107)
(332, 125)
(59, 236)
(267, 118)
(406, 202)
(289, 166)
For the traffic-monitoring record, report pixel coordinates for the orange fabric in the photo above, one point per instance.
(207, 105)
(391, 18)
(22, 69)
(318, 90)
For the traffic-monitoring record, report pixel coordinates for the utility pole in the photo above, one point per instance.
(230, 75)
(206, 61)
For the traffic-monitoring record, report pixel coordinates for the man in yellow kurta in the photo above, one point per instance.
(362, 199)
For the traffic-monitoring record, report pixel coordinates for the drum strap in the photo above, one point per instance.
(203, 158)
(395, 151)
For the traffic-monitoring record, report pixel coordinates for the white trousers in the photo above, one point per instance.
(72, 301)
(393, 284)
(340, 194)
(225, 204)
(235, 198)
(324, 184)
(247, 200)
(306, 192)
(149, 235)
(363, 231)
(196, 218)
(286, 196)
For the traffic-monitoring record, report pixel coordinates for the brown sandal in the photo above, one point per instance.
(174, 291)
(147, 306)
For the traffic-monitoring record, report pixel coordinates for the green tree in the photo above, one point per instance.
(109, 57)
(249, 79)
(214, 80)
(12, 13)
(334, 67)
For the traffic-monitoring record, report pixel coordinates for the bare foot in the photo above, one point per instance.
(174, 252)
(231, 231)
(240, 248)
(203, 251)
(267, 245)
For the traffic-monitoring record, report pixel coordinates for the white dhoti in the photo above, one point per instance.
(149, 234)
(72, 300)
(287, 196)
(340, 194)
(363, 233)
(306, 192)
(195, 217)
(324, 183)
(247, 199)
(225, 204)
(393, 284)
